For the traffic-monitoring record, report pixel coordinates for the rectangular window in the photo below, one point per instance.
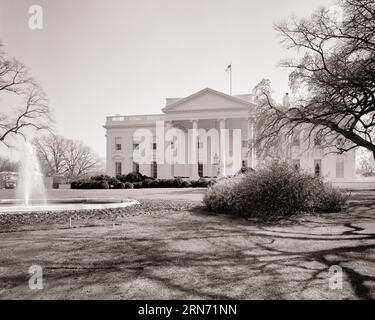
(135, 167)
(297, 164)
(200, 169)
(200, 145)
(154, 169)
(318, 168)
(118, 143)
(154, 146)
(118, 168)
(340, 167)
(244, 144)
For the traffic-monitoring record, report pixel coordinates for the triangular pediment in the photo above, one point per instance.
(207, 99)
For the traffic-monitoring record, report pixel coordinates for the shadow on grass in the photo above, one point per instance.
(201, 210)
(209, 256)
(222, 274)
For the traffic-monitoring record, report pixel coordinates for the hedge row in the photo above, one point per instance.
(174, 183)
(132, 177)
(106, 182)
(89, 184)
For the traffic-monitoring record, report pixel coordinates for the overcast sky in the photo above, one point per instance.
(96, 58)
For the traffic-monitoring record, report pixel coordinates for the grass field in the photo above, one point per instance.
(169, 247)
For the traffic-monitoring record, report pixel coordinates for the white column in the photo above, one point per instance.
(194, 151)
(170, 166)
(222, 148)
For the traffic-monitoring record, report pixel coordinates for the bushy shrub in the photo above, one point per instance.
(185, 184)
(112, 182)
(221, 197)
(133, 177)
(178, 183)
(89, 184)
(74, 185)
(159, 183)
(137, 185)
(164, 183)
(122, 178)
(276, 190)
(171, 183)
(118, 185)
(154, 184)
(102, 177)
(211, 182)
(147, 183)
(200, 183)
(102, 185)
(130, 177)
(329, 199)
(128, 185)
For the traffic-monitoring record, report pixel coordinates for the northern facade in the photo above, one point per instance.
(209, 109)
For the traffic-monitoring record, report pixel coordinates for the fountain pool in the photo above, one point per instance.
(10, 206)
(31, 195)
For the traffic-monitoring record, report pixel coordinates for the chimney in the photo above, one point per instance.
(286, 100)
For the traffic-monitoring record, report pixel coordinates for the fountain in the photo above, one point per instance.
(30, 182)
(31, 195)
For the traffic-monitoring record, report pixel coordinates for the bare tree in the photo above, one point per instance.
(79, 159)
(69, 158)
(30, 106)
(270, 144)
(333, 78)
(51, 153)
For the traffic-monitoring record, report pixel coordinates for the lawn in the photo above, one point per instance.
(168, 247)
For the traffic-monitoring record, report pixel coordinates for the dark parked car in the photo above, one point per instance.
(10, 184)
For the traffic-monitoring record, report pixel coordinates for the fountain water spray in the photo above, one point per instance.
(32, 192)
(30, 184)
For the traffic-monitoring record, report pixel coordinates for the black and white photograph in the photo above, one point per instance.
(200, 152)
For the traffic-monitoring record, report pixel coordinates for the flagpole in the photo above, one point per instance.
(230, 75)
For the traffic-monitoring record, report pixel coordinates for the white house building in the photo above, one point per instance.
(207, 109)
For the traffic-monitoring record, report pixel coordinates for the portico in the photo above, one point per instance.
(195, 116)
